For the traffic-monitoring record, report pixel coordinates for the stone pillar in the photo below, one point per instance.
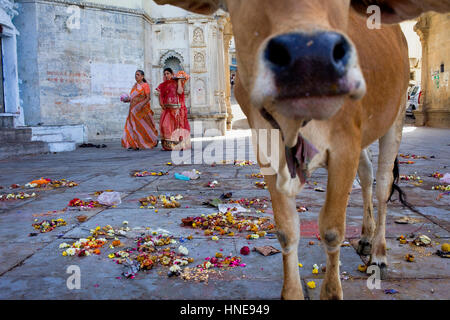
(434, 110)
(422, 28)
(227, 36)
(221, 71)
(11, 116)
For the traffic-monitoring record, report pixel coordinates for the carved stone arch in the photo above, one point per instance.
(171, 54)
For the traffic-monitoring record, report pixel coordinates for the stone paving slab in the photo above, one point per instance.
(356, 289)
(33, 267)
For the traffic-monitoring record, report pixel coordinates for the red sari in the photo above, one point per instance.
(174, 125)
(140, 130)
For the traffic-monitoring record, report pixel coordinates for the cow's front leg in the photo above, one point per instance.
(288, 233)
(389, 145)
(342, 168)
(365, 173)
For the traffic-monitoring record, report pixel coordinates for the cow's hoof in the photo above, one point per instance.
(383, 269)
(364, 247)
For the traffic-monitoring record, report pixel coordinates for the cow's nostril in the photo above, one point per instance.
(341, 54)
(278, 54)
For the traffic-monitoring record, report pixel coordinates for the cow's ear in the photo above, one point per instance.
(206, 7)
(395, 11)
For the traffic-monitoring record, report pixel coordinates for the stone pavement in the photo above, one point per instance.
(34, 267)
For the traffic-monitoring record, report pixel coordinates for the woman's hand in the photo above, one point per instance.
(180, 87)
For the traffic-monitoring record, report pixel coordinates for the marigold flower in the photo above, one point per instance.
(362, 268)
(311, 284)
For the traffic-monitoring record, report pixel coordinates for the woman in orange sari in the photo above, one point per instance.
(140, 131)
(174, 125)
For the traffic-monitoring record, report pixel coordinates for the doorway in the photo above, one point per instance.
(2, 97)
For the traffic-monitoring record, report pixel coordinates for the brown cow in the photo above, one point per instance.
(313, 70)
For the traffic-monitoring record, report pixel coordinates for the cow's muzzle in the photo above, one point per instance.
(311, 65)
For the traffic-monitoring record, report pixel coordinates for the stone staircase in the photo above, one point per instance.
(40, 139)
(17, 142)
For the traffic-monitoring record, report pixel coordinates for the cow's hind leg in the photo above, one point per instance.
(365, 173)
(342, 167)
(388, 150)
(288, 233)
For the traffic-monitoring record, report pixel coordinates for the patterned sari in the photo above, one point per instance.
(174, 125)
(140, 131)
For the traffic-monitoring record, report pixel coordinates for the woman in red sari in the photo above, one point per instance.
(140, 130)
(174, 125)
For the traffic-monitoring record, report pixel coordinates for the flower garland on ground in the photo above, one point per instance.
(48, 225)
(261, 184)
(257, 203)
(242, 163)
(83, 247)
(168, 202)
(109, 231)
(17, 196)
(412, 156)
(78, 203)
(148, 173)
(49, 183)
(255, 176)
(413, 178)
(224, 224)
(146, 255)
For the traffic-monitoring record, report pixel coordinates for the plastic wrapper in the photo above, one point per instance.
(109, 198)
(193, 175)
(445, 179)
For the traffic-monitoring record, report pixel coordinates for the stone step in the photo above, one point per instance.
(15, 135)
(75, 133)
(50, 137)
(6, 121)
(62, 146)
(11, 149)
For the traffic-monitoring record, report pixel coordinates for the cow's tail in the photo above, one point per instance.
(401, 193)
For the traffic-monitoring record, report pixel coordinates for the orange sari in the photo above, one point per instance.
(140, 131)
(174, 124)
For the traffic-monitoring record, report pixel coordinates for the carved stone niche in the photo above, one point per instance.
(171, 57)
(174, 60)
(198, 38)
(199, 61)
(199, 92)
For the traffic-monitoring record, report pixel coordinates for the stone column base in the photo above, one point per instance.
(438, 118)
(216, 121)
(434, 118)
(420, 118)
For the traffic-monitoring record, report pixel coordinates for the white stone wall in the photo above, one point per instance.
(83, 71)
(76, 75)
(9, 58)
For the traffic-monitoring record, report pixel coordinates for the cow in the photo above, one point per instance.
(314, 71)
